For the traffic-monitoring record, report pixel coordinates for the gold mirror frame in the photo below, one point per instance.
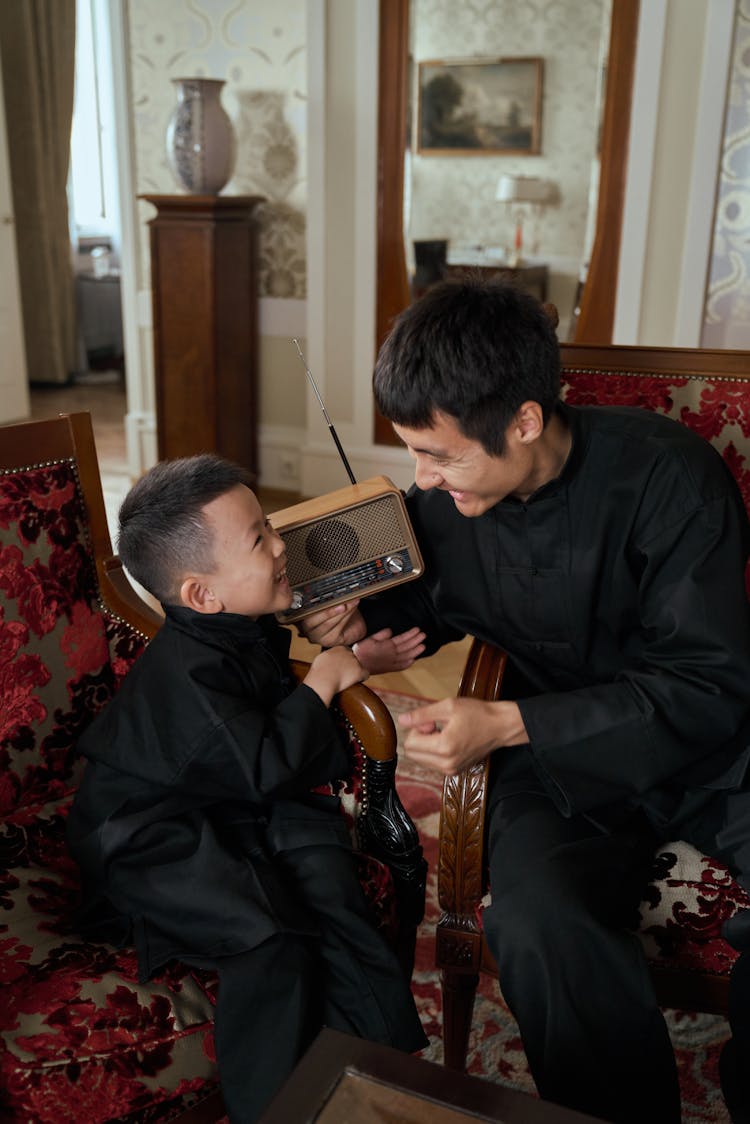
(596, 315)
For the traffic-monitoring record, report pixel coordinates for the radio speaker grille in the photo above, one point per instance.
(354, 535)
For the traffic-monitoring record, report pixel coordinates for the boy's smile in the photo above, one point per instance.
(249, 571)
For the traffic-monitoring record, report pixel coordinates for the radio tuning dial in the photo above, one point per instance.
(394, 564)
(297, 600)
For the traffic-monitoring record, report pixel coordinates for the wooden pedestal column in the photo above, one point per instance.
(203, 279)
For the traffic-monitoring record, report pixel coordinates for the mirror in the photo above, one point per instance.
(595, 305)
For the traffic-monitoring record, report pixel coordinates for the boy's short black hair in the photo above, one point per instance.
(162, 531)
(475, 349)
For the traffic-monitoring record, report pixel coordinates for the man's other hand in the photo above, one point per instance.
(343, 624)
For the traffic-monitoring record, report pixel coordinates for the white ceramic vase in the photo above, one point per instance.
(200, 137)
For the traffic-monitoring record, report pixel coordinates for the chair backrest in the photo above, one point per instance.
(707, 390)
(71, 624)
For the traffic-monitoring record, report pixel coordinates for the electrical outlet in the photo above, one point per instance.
(288, 466)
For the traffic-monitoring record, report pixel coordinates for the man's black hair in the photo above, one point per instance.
(162, 530)
(475, 349)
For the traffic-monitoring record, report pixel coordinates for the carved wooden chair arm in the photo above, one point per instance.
(461, 844)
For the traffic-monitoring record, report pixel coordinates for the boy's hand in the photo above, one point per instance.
(334, 670)
(343, 624)
(385, 652)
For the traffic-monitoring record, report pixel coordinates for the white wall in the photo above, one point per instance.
(684, 52)
(258, 48)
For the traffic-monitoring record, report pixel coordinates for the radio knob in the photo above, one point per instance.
(297, 600)
(394, 564)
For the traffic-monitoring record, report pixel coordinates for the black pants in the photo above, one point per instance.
(564, 896)
(571, 972)
(273, 999)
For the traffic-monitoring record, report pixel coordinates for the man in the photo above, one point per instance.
(604, 549)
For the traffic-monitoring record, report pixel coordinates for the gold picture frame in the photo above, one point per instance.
(480, 107)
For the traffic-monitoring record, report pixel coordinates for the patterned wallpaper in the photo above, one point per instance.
(259, 48)
(454, 197)
(727, 310)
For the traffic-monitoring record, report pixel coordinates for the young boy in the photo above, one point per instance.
(195, 826)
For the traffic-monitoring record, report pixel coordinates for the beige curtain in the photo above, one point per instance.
(37, 40)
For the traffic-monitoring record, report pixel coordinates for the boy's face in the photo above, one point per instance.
(249, 575)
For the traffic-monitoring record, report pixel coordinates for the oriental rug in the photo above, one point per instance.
(495, 1050)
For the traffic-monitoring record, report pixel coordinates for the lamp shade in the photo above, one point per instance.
(523, 189)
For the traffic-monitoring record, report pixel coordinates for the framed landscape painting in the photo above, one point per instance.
(480, 107)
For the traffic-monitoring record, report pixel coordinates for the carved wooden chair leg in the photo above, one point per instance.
(459, 991)
(387, 833)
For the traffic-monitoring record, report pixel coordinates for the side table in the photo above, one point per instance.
(99, 317)
(203, 286)
(533, 278)
(343, 1078)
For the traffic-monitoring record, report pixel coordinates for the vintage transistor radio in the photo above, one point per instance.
(345, 544)
(349, 543)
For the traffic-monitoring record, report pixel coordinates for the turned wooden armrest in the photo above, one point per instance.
(461, 844)
(366, 712)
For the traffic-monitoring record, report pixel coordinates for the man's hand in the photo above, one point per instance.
(452, 734)
(385, 652)
(332, 671)
(343, 624)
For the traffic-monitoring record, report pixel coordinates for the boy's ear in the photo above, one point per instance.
(197, 595)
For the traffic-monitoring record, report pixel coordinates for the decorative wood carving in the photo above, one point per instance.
(457, 948)
(464, 799)
(460, 847)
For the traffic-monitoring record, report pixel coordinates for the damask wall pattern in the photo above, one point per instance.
(259, 48)
(726, 320)
(454, 196)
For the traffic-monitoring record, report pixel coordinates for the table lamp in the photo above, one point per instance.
(522, 190)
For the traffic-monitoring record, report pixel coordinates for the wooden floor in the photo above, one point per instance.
(103, 396)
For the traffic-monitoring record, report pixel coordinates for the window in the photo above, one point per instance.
(92, 182)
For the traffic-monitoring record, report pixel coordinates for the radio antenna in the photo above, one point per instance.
(329, 423)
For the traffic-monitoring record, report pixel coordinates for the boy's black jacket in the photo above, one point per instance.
(199, 771)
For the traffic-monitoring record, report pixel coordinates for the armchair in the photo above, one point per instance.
(80, 1038)
(690, 894)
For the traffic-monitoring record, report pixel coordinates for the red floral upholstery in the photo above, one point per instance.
(717, 408)
(691, 895)
(689, 899)
(81, 1039)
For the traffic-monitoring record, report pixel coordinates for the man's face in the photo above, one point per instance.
(249, 575)
(446, 459)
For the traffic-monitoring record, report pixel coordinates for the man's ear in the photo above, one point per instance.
(529, 422)
(196, 594)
